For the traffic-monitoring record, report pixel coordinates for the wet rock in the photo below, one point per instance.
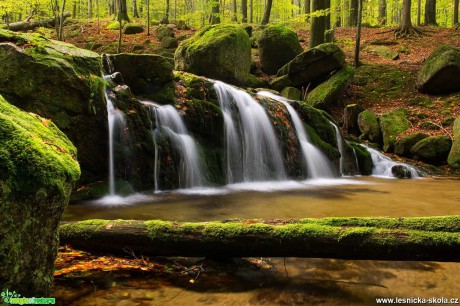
(440, 73)
(393, 124)
(292, 93)
(401, 171)
(405, 143)
(454, 155)
(369, 125)
(432, 150)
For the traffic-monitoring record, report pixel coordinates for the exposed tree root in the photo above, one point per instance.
(408, 32)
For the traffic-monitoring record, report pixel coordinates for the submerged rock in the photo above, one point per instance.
(401, 171)
(440, 73)
(454, 155)
(432, 150)
(277, 46)
(310, 66)
(393, 124)
(38, 169)
(221, 52)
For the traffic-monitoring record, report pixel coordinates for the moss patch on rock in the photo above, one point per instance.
(433, 150)
(405, 143)
(369, 125)
(454, 155)
(220, 51)
(38, 168)
(393, 124)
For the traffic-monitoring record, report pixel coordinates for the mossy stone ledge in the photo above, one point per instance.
(38, 169)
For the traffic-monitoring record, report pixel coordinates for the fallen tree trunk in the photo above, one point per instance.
(26, 25)
(432, 238)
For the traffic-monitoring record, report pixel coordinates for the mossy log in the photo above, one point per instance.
(28, 25)
(432, 238)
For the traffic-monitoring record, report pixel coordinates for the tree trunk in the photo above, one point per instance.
(74, 9)
(27, 25)
(120, 23)
(328, 33)
(307, 9)
(244, 10)
(123, 10)
(251, 11)
(148, 17)
(268, 9)
(353, 21)
(431, 239)
(419, 12)
(61, 22)
(90, 9)
(406, 28)
(455, 18)
(234, 11)
(135, 12)
(382, 12)
(358, 36)
(430, 12)
(214, 18)
(318, 24)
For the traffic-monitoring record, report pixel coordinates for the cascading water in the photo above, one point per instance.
(340, 145)
(117, 126)
(316, 163)
(253, 153)
(382, 165)
(169, 122)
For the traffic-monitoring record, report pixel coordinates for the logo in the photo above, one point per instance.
(13, 298)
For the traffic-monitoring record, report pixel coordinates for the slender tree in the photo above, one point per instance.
(148, 17)
(120, 24)
(251, 11)
(382, 12)
(90, 9)
(268, 8)
(135, 11)
(455, 17)
(307, 9)
(430, 12)
(358, 32)
(419, 12)
(244, 10)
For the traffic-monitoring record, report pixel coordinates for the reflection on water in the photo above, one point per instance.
(290, 281)
(350, 197)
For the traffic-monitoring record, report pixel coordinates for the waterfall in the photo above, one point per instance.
(253, 152)
(169, 122)
(339, 145)
(117, 126)
(316, 163)
(382, 165)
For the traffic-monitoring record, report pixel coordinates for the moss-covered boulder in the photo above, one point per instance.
(220, 51)
(59, 81)
(132, 28)
(432, 150)
(164, 31)
(364, 158)
(369, 125)
(277, 46)
(312, 66)
(38, 169)
(328, 93)
(150, 76)
(454, 155)
(385, 52)
(392, 124)
(440, 73)
(291, 93)
(169, 43)
(404, 144)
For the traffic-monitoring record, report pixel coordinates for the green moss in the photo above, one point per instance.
(433, 150)
(393, 124)
(329, 92)
(405, 143)
(132, 28)
(84, 229)
(454, 155)
(379, 82)
(37, 152)
(219, 51)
